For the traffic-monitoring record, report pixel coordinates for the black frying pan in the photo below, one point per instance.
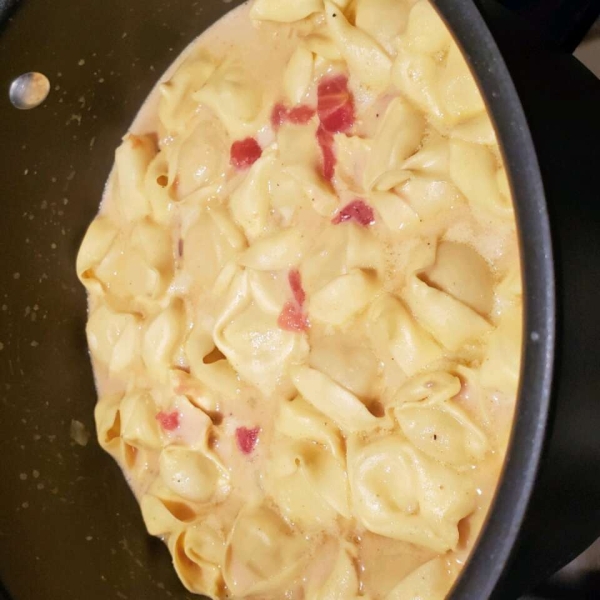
(69, 527)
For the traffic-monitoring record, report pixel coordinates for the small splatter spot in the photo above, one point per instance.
(79, 434)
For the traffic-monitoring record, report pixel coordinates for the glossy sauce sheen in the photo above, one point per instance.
(312, 399)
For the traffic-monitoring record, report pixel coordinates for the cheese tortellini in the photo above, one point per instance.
(305, 305)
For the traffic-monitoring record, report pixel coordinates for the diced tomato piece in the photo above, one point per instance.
(279, 116)
(296, 284)
(292, 318)
(335, 104)
(325, 140)
(245, 153)
(247, 439)
(168, 421)
(301, 115)
(357, 210)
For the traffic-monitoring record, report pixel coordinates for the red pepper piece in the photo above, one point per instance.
(292, 318)
(301, 115)
(168, 421)
(247, 439)
(325, 140)
(296, 284)
(335, 104)
(245, 153)
(357, 210)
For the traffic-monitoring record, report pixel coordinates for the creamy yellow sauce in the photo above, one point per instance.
(382, 413)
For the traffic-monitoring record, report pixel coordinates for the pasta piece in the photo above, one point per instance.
(160, 341)
(321, 44)
(417, 76)
(164, 512)
(254, 344)
(430, 198)
(138, 267)
(309, 486)
(337, 403)
(385, 562)
(301, 421)
(509, 291)
(132, 159)
(432, 160)
(281, 250)
(287, 196)
(431, 581)
(283, 11)
(366, 59)
(473, 168)
(400, 493)
(352, 153)
(435, 387)
(322, 199)
(459, 93)
(502, 369)
(398, 137)
(326, 260)
(297, 145)
(158, 190)
(461, 272)
(233, 95)
(193, 426)
(108, 424)
(249, 203)
(343, 298)
(391, 325)
(132, 458)
(394, 211)
(198, 552)
(365, 251)
(450, 321)
(436, 425)
(443, 432)
(392, 179)
(177, 104)
(138, 421)
(258, 349)
(478, 130)
(343, 583)
(345, 359)
(270, 290)
(382, 19)
(209, 245)
(425, 31)
(195, 476)
(197, 160)
(113, 338)
(95, 246)
(217, 375)
(263, 553)
(298, 75)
